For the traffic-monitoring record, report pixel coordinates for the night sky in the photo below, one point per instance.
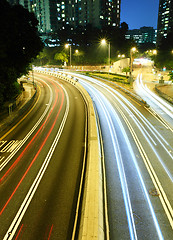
(139, 13)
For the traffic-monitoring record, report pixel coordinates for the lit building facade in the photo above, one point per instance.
(165, 18)
(57, 14)
(98, 13)
(142, 35)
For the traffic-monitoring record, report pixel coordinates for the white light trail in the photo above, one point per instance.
(168, 109)
(22, 142)
(24, 206)
(121, 172)
(105, 105)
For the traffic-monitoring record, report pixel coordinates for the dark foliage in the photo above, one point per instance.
(87, 41)
(19, 44)
(143, 47)
(164, 57)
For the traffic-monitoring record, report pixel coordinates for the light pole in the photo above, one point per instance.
(104, 42)
(69, 46)
(109, 54)
(132, 50)
(77, 55)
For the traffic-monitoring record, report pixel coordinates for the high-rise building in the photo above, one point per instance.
(142, 35)
(165, 18)
(98, 13)
(57, 14)
(45, 11)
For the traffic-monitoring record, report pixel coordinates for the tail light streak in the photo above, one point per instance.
(29, 144)
(18, 218)
(6, 161)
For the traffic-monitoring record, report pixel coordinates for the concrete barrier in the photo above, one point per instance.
(162, 94)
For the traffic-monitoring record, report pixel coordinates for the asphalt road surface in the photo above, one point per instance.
(138, 153)
(41, 157)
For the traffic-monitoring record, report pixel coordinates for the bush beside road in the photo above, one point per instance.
(22, 103)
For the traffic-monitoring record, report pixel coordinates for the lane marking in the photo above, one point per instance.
(17, 160)
(120, 166)
(24, 206)
(7, 133)
(160, 119)
(10, 146)
(163, 198)
(1, 158)
(144, 189)
(30, 132)
(2, 143)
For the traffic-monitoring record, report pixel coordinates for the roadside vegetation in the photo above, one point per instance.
(19, 45)
(164, 57)
(86, 47)
(110, 76)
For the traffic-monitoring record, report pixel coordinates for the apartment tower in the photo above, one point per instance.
(165, 19)
(56, 14)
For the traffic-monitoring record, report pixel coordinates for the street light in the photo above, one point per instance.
(132, 50)
(77, 55)
(121, 56)
(68, 46)
(104, 42)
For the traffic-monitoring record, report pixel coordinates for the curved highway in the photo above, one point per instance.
(41, 159)
(138, 152)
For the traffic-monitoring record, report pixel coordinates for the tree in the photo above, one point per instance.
(19, 45)
(42, 57)
(78, 56)
(164, 55)
(171, 76)
(62, 57)
(124, 28)
(126, 70)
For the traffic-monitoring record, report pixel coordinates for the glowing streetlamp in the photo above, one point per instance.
(121, 56)
(104, 42)
(77, 55)
(68, 46)
(132, 51)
